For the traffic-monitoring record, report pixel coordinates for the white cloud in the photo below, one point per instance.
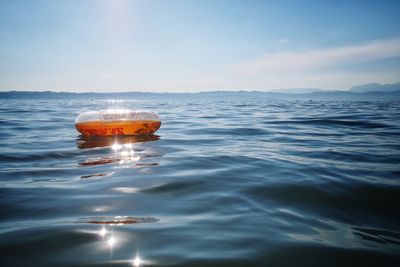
(317, 59)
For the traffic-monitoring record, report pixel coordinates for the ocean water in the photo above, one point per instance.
(222, 183)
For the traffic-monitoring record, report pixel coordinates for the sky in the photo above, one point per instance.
(202, 45)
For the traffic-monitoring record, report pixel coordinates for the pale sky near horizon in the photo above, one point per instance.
(203, 45)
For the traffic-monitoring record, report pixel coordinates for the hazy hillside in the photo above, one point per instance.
(375, 87)
(367, 92)
(217, 95)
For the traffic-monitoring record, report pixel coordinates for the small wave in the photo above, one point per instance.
(332, 200)
(333, 122)
(173, 187)
(39, 155)
(229, 131)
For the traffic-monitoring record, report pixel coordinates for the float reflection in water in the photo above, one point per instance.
(125, 150)
(84, 142)
(118, 220)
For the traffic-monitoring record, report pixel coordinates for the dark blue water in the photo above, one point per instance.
(223, 183)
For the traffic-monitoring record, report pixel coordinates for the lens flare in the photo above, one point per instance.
(137, 261)
(111, 241)
(116, 146)
(103, 232)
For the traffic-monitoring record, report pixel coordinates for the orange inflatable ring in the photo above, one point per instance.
(117, 122)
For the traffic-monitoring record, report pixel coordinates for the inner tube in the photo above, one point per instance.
(117, 122)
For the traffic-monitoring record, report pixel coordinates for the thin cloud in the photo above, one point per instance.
(196, 81)
(307, 61)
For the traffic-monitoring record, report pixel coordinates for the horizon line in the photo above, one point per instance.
(284, 90)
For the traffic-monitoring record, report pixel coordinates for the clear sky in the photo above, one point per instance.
(203, 45)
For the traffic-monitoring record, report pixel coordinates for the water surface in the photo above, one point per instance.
(223, 183)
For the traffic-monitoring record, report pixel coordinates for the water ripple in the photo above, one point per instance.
(229, 183)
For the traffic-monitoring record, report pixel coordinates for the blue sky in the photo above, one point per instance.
(185, 45)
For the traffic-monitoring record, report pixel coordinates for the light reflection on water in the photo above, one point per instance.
(126, 154)
(126, 151)
(112, 240)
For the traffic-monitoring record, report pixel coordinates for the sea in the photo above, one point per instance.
(221, 183)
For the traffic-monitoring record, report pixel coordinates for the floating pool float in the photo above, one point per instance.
(117, 122)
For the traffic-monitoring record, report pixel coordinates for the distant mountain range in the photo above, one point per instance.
(376, 87)
(368, 92)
